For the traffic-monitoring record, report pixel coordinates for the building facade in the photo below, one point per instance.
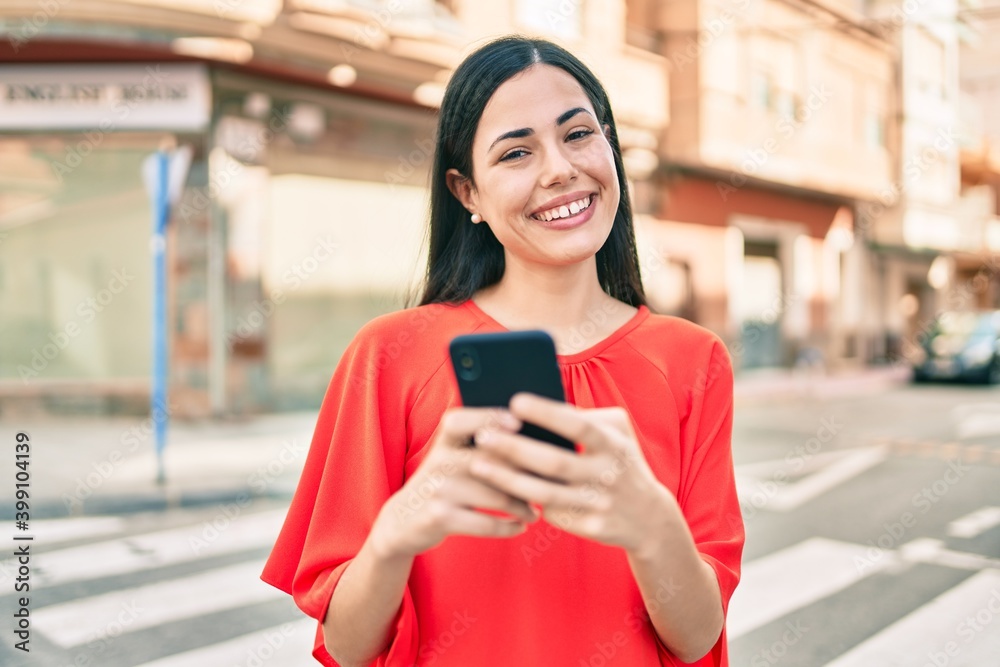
(781, 128)
(303, 213)
(814, 180)
(933, 231)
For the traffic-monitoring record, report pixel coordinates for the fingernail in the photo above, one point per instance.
(483, 436)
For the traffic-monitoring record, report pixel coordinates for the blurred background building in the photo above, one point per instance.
(813, 179)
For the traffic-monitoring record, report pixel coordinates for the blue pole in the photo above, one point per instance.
(158, 395)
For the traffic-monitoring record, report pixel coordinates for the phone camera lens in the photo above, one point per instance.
(467, 363)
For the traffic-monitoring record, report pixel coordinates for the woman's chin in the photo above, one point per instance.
(571, 251)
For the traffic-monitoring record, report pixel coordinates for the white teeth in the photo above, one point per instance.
(564, 211)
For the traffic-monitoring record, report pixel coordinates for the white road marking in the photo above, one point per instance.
(779, 583)
(48, 532)
(957, 628)
(928, 550)
(760, 480)
(54, 531)
(976, 420)
(288, 645)
(976, 523)
(107, 615)
(217, 535)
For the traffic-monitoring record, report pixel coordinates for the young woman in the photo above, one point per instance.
(412, 548)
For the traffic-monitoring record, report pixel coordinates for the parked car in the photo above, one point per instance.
(961, 346)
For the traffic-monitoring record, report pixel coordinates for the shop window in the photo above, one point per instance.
(75, 231)
(338, 252)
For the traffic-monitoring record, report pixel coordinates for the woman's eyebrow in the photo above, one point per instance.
(527, 131)
(565, 116)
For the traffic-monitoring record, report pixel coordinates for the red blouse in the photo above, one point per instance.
(545, 597)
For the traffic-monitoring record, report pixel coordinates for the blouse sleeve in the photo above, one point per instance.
(355, 463)
(707, 493)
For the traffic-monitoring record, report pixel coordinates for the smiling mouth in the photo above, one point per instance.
(565, 210)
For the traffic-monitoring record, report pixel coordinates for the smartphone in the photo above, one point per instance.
(490, 368)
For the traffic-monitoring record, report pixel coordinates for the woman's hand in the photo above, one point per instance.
(440, 498)
(607, 492)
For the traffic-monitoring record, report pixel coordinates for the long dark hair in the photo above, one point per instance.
(464, 258)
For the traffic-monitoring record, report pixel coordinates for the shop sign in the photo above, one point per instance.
(154, 96)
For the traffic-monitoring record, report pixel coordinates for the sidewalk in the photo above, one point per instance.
(774, 384)
(101, 465)
(105, 465)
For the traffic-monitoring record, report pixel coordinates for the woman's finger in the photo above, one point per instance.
(472, 493)
(458, 424)
(541, 458)
(562, 418)
(462, 521)
(521, 484)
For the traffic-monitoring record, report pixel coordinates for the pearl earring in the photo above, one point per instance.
(476, 218)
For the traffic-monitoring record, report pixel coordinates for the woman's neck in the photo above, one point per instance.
(559, 300)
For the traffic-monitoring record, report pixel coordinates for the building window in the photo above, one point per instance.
(761, 89)
(873, 116)
(874, 131)
(773, 74)
(873, 126)
(75, 258)
(927, 58)
(557, 18)
(784, 103)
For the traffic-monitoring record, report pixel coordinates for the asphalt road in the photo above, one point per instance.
(873, 538)
(873, 530)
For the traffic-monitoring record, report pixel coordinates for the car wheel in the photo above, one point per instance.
(993, 375)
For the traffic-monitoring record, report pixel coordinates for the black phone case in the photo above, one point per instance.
(503, 364)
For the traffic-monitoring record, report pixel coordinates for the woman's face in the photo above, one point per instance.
(544, 171)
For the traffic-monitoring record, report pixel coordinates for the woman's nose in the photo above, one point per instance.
(557, 168)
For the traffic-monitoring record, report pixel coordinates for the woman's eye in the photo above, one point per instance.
(513, 155)
(579, 134)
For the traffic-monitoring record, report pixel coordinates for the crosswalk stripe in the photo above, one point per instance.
(54, 531)
(953, 629)
(779, 583)
(975, 523)
(48, 532)
(150, 550)
(838, 472)
(126, 610)
(928, 550)
(976, 420)
(825, 471)
(288, 645)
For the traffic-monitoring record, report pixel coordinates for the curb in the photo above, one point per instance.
(942, 450)
(753, 390)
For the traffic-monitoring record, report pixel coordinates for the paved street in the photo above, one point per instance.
(166, 589)
(873, 539)
(873, 530)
